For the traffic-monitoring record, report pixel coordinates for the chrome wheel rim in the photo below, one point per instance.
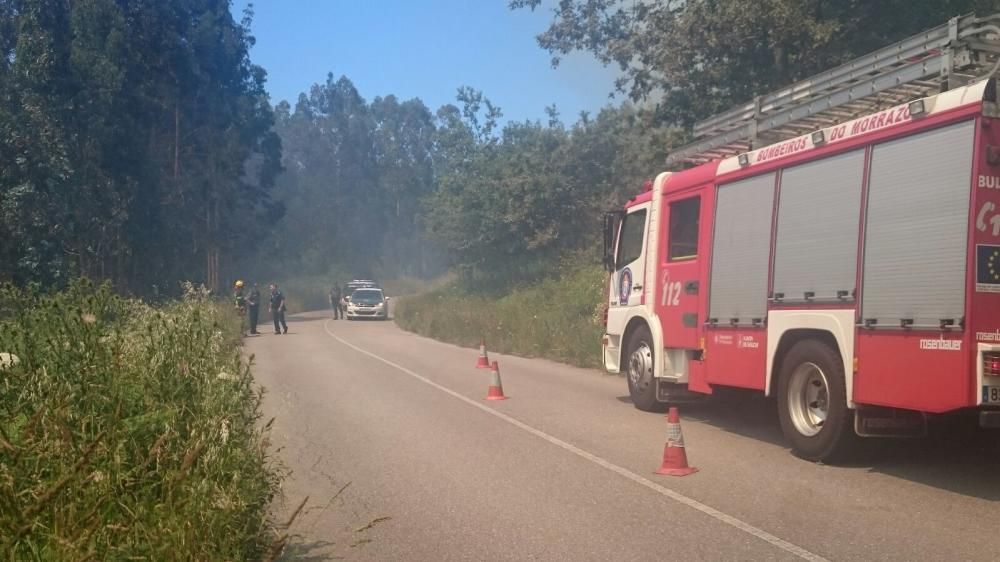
(808, 399)
(640, 367)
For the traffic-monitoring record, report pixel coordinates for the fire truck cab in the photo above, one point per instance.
(853, 272)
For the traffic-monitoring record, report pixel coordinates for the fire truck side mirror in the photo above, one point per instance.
(609, 264)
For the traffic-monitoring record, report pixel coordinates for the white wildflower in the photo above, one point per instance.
(223, 502)
(224, 376)
(97, 476)
(8, 360)
(195, 293)
(224, 431)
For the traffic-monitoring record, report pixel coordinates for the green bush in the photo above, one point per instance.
(557, 319)
(128, 432)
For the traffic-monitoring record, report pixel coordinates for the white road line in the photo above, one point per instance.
(667, 492)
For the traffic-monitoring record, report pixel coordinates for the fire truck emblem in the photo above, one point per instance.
(624, 286)
(988, 269)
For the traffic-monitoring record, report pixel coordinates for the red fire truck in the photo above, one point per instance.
(852, 272)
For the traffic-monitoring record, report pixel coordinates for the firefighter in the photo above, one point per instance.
(335, 302)
(240, 303)
(277, 308)
(253, 305)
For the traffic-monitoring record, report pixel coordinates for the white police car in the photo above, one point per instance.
(368, 302)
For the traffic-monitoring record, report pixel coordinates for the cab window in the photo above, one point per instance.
(684, 229)
(630, 242)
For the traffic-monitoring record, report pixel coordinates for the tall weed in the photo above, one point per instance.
(128, 432)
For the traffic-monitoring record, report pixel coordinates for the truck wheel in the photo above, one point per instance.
(639, 357)
(812, 402)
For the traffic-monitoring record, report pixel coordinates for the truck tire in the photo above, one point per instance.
(639, 361)
(812, 402)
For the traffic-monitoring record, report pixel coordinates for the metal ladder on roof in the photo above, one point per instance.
(951, 55)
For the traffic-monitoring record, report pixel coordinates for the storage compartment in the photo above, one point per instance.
(917, 229)
(741, 245)
(819, 211)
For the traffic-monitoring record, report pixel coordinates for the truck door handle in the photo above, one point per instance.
(691, 288)
(637, 288)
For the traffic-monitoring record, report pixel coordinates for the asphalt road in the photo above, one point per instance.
(563, 470)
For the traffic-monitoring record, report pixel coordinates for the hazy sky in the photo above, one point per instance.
(425, 49)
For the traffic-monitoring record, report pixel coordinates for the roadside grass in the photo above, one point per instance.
(128, 432)
(557, 319)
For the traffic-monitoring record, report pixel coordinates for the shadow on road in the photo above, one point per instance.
(956, 456)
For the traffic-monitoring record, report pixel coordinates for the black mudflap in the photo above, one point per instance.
(989, 419)
(871, 421)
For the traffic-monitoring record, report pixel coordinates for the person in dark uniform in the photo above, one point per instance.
(278, 310)
(338, 310)
(253, 305)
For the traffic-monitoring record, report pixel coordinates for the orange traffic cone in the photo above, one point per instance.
(675, 461)
(484, 360)
(495, 391)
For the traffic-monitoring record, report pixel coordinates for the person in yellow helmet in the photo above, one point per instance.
(240, 302)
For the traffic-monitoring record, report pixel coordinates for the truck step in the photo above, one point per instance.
(674, 393)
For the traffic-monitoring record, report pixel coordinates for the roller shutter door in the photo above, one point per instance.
(819, 211)
(917, 227)
(740, 250)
